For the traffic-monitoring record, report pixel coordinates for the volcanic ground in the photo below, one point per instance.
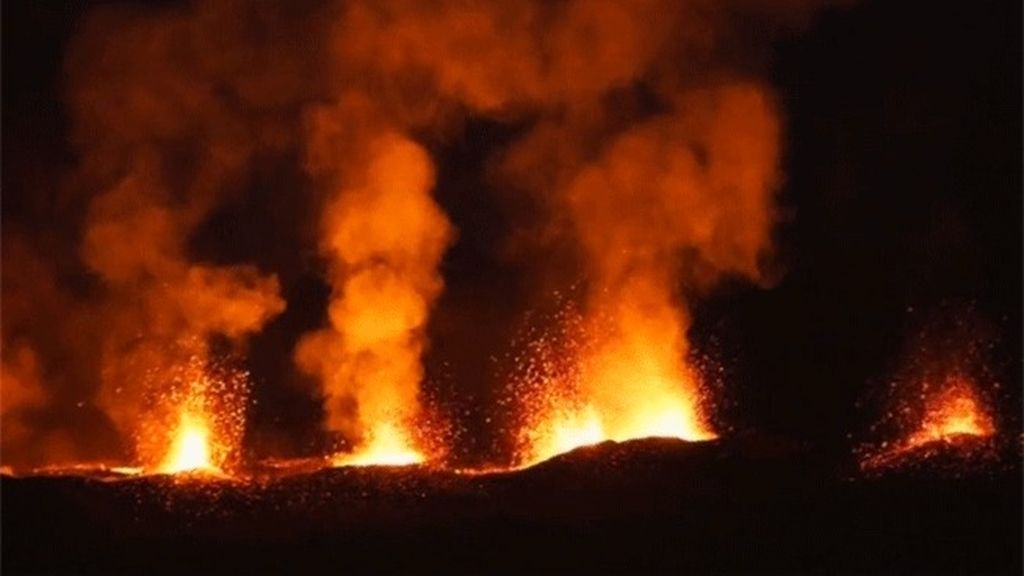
(740, 504)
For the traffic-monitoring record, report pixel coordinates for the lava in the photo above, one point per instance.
(191, 449)
(388, 445)
(196, 422)
(584, 386)
(567, 429)
(952, 415)
(954, 411)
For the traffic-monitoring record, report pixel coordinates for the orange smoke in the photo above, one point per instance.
(384, 237)
(653, 154)
(21, 391)
(658, 205)
(165, 136)
(665, 209)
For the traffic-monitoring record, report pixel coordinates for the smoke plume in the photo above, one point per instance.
(641, 130)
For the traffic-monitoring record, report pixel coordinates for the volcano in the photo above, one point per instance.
(744, 503)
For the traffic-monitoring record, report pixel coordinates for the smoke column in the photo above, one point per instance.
(383, 236)
(641, 130)
(168, 109)
(647, 136)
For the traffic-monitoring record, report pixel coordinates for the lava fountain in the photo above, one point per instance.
(190, 449)
(197, 425)
(951, 415)
(620, 378)
(955, 410)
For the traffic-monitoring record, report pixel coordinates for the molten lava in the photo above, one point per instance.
(388, 445)
(565, 429)
(196, 422)
(190, 449)
(953, 411)
(951, 416)
(587, 386)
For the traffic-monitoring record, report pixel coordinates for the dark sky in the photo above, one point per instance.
(902, 204)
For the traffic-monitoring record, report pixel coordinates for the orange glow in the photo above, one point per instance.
(388, 445)
(953, 411)
(197, 424)
(658, 215)
(566, 429)
(952, 415)
(566, 432)
(384, 239)
(625, 378)
(190, 449)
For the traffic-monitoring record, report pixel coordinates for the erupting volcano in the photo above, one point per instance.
(948, 415)
(196, 423)
(588, 391)
(190, 447)
(388, 445)
(453, 286)
(952, 411)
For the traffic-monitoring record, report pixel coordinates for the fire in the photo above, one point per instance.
(389, 445)
(190, 450)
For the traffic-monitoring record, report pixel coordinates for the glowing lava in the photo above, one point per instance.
(570, 429)
(196, 421)
(631, 385)
(388, 445)
(191, 447)
(953, 411)
(953, 415)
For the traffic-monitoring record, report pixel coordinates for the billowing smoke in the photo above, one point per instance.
(169, 109)
(663, 209)
(384, 237)
(653, 149)
(169, 113)
(641, 130)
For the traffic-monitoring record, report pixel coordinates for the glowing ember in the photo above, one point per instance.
(388, 445)
(190, 450)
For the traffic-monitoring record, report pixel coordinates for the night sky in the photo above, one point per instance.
(901, 210)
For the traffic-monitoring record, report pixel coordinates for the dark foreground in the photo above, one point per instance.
(644, 506)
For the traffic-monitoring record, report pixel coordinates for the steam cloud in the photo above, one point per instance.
(643, 131)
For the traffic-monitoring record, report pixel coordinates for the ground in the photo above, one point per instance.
(657, 505)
